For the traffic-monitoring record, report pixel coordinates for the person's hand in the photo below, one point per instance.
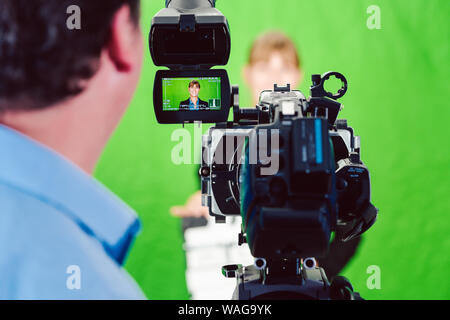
(192, 208)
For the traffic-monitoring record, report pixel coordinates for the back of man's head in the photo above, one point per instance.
(43, 58)
(68, 70)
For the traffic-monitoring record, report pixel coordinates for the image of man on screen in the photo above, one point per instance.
(194, 102)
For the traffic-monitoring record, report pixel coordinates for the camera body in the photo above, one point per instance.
(294, 176)
(288, 166)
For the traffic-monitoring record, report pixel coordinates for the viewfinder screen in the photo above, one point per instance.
(191, 94)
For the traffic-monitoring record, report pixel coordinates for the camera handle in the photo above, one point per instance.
(190, 4)
(318, 90)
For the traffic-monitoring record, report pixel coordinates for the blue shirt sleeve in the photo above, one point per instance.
(38, 246)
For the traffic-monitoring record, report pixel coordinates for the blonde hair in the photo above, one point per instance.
(273, 42)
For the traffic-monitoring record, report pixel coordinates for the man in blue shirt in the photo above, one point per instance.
(63, 91)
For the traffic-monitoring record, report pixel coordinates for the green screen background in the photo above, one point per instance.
(397, 102)
(178, 91)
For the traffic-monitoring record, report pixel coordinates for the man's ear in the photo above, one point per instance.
(121, 46)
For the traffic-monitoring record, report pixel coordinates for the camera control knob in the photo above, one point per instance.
(341, 124)
(204, 171)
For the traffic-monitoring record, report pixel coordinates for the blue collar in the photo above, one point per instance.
(47, 176)
(191, 103)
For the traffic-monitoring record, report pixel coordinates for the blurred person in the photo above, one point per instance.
(63, 235)
(273, 59)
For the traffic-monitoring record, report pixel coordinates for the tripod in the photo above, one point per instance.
(287, 280)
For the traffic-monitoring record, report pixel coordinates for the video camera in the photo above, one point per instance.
(289, 167)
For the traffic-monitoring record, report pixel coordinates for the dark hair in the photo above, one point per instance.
(42, 61)
(193, 83)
